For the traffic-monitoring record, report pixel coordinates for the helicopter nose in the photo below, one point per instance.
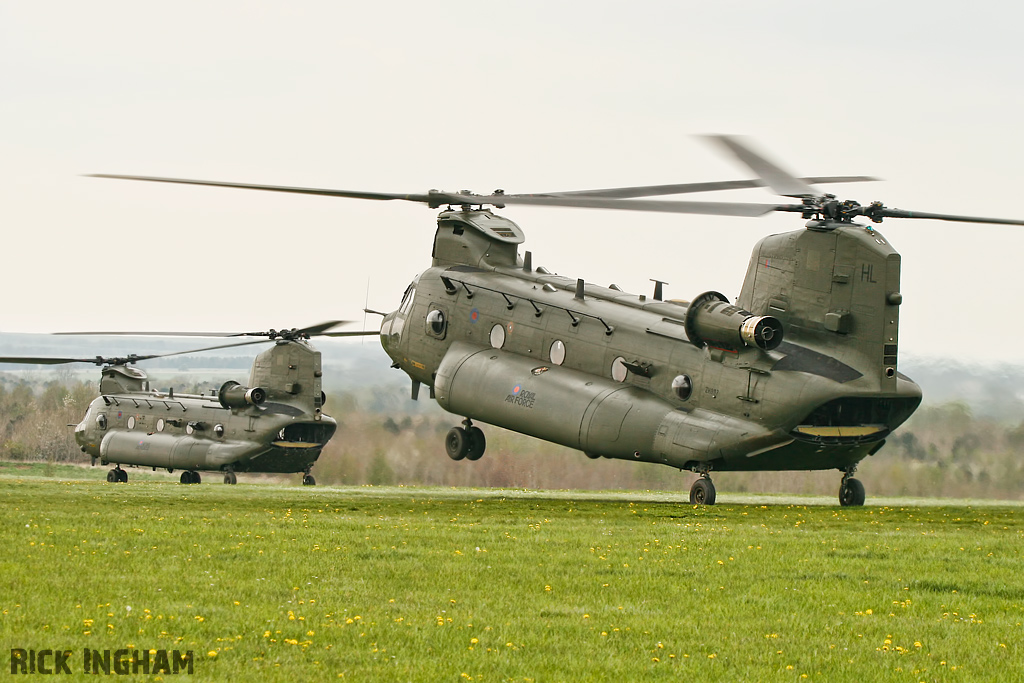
(389, 337)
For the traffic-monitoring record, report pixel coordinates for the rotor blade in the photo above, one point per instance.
(149, 334)
(132, 358)
(781, 182)
(424, 198)
(210, 348)
(687, 188)
(705, 208)
(320, 328)
(33, 360)
(311, 330)
(359, 333)
(900, 213)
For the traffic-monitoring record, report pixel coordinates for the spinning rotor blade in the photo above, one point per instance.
(312, 331)
(687, 188)
(704, 208)
(781, 182)
(116, 360)
(883, 212)
(359, 333)
(35, 360)
(435, 199)
(815, 205)
(272, 188)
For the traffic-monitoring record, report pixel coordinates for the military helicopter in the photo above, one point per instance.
(275, 424)
(800, 373)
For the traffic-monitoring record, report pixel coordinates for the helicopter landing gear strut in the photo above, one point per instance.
(851, 491)
(117, 475)
(703, 490)
(190, 477)
(307, 478)
(465, 442)
(230, 478)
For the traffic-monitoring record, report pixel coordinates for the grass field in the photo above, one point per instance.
(290, 583)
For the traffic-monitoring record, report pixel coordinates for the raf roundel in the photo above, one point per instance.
(516, 389)
(474, 315)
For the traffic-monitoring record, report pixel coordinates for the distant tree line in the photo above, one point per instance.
(383, 438)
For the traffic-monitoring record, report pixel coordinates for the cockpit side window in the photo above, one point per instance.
(410, 294)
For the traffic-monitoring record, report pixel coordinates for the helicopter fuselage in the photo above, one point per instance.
(275, 427)
(192, 432)
(626, 376)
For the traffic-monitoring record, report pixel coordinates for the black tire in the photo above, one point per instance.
(186, 477)
(456, 443)
(308, 480)
(122, 476)
(702, 492)
(230, 478)
(851, 493)
(196, 479)
(477, 443)
(112, 476)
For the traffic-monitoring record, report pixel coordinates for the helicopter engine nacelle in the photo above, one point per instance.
(712, 320)
(234, 395)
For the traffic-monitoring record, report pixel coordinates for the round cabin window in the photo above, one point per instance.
(619, 371)
(218, 430)
(101, 421)
(436, 321)
(160, 425)
(557, 352)
(498, 336)
(131, 422)
(682, 387)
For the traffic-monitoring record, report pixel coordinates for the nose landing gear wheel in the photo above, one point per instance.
(702, 492)
(851, 492)
(230, 478)
(308, 480)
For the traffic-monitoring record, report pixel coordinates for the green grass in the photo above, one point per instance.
(31, 469)
(290, 583)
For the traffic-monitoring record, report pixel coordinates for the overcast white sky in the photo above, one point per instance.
(526, 96)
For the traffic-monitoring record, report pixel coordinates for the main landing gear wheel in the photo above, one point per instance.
(465, 442)
(851, 492)
(230, 478)
(456, 443)
(477, 443)
(308, 480)
(117, 476)
(190, 477)
(702, 492)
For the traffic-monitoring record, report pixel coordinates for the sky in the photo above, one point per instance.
(526, 96)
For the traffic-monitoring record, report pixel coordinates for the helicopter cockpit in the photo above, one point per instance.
(393, 324)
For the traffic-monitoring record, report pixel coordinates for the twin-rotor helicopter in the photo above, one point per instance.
(274, 424)
(799, 373)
